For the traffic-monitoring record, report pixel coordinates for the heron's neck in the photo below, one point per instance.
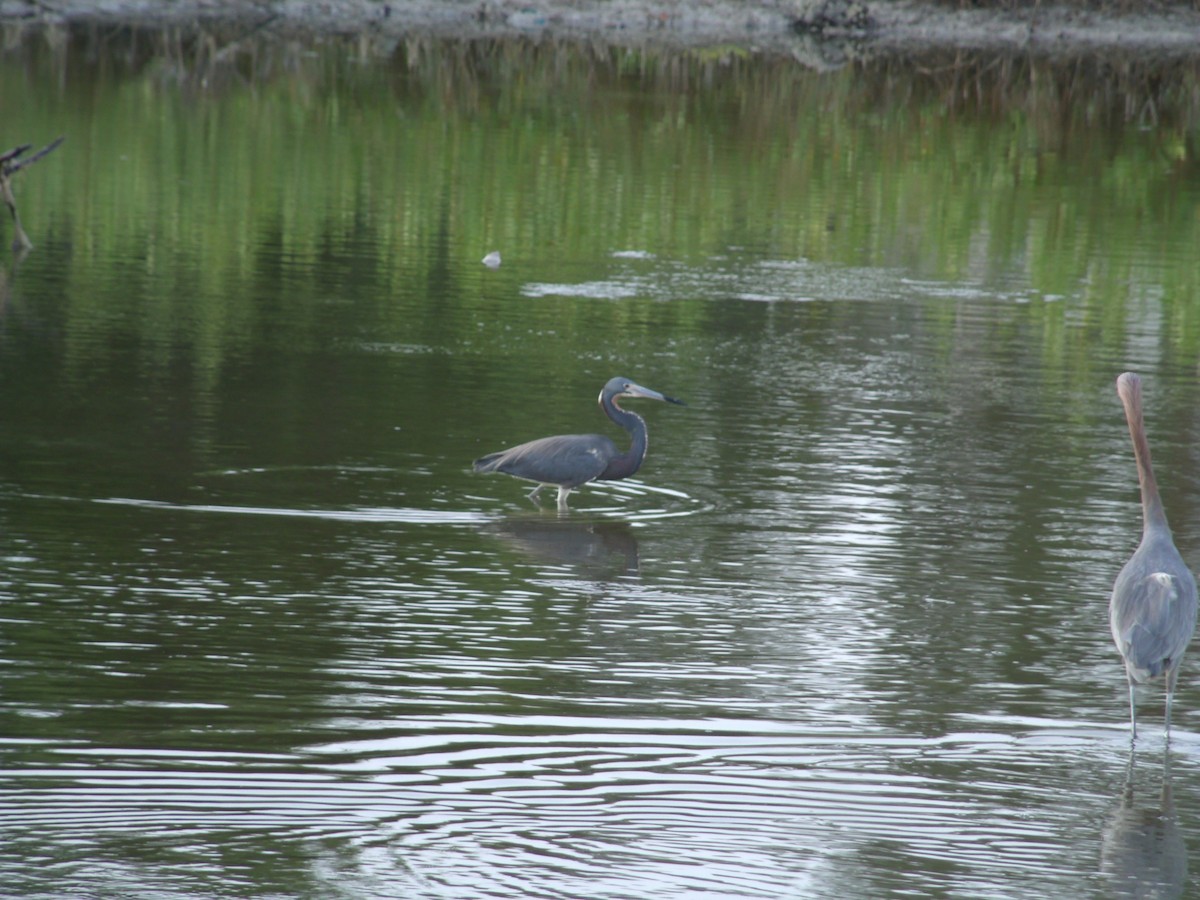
(1153, 516)
(625, 464)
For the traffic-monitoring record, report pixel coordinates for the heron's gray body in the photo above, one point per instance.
(1153, 609)
(567, 460)
(571, 460)
(1152, 612)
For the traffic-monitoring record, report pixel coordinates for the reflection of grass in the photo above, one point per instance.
(366, 175)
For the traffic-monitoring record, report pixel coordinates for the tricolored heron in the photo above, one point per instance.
(1153, 607)
(569, 460)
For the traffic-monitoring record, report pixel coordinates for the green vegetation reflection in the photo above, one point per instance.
(198, 166)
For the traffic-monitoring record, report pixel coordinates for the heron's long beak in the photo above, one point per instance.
(636, 390)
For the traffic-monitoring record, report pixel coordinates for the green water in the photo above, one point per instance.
(264, 633)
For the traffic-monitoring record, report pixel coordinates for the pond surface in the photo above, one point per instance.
(265, 634)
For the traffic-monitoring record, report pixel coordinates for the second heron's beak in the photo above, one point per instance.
(636, 390)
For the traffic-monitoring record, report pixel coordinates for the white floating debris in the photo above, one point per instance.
(596, 290)
(492, 260)
(527, 18)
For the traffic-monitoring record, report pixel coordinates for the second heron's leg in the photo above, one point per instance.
(1171, 676)
(1132, 713)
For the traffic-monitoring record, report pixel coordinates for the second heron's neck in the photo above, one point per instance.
(625, 464)
(1153, 516)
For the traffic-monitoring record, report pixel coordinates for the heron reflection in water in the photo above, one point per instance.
(1153, 607)
(570, 460)
(1142, 850)
(600, 549)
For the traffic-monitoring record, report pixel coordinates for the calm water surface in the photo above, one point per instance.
(264, 634)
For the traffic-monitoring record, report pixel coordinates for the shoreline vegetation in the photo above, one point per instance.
(209, 154)
(819, 33)
(1138, 68)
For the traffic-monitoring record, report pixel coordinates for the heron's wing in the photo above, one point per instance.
(1153, 616)
(566, 459)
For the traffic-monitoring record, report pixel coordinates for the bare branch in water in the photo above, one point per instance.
(10, 165)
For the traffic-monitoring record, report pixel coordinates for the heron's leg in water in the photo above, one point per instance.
(1132, 711)
(562, 496)
(1171, 676)
(533, 494)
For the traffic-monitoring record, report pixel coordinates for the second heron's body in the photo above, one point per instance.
(1153, 607)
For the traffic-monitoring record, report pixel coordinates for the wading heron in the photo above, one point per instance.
(1153, 607)
(569, 460)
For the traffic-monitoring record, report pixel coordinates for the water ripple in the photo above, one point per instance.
(669, 503)
(362, 514)
(552, 806)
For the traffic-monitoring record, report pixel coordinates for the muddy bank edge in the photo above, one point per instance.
(750, 24)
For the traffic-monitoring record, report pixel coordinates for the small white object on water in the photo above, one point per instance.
(492, 260)
(527, 18)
